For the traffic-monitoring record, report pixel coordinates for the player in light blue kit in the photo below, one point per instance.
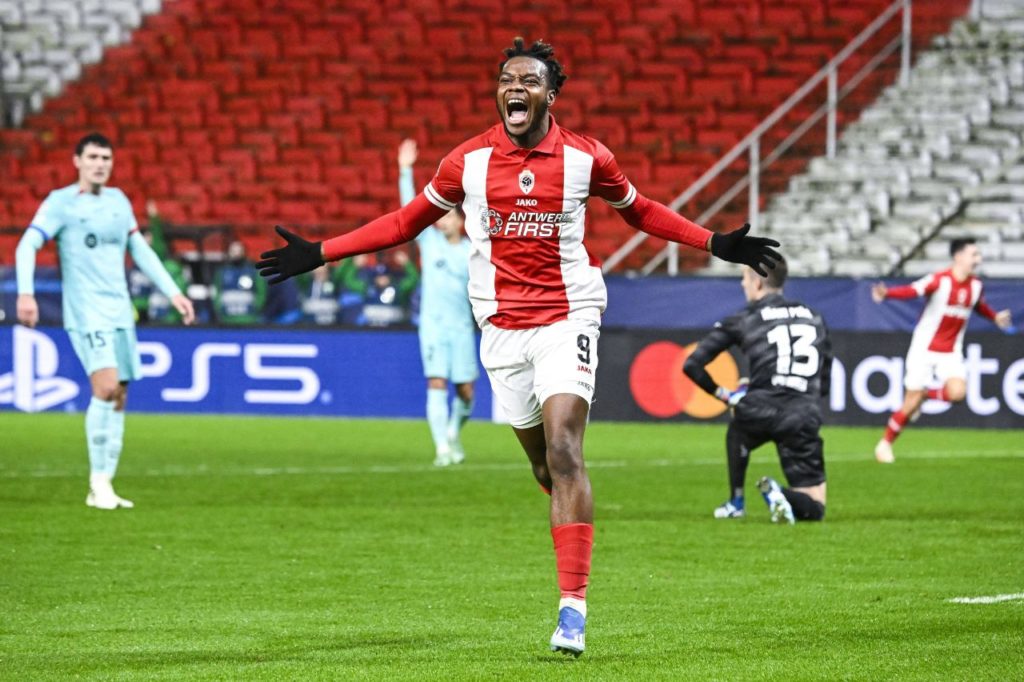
(94, 225)
(447, 329)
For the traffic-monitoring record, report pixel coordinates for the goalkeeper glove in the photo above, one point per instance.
(737, 247)
(294, 258)
(731, 398)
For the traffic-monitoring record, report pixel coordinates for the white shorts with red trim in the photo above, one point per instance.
(528, 366)
(927, 369)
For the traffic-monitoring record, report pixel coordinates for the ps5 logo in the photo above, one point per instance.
(157, 363)
(33, 384)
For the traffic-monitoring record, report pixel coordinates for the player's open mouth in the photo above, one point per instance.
(516, 111)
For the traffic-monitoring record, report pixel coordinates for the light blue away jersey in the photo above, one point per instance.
(444, 294)
(92, 233)
(444, 289)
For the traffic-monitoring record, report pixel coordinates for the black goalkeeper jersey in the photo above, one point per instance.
(785, 342)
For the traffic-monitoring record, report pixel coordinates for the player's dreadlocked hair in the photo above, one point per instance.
(540, 51)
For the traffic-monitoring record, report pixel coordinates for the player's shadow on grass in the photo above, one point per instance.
(559, 659)
(369, 650)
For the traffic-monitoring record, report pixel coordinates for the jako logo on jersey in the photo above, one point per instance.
(526, 181)
(526, 202)
(33, 385)
(253, 356)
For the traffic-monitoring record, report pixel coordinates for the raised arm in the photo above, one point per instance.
(407, 154)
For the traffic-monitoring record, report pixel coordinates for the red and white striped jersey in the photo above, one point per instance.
(945, 315)
(525, 214)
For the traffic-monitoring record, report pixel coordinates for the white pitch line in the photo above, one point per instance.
(994, 599)
(206, 470)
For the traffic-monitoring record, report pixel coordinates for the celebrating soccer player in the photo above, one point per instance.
(447, 331)
(936, 348)
(535, 292)
(790, 358)
(94, 225)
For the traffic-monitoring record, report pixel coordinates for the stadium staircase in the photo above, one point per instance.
(938, 158)
(44, 44)
(251, 112)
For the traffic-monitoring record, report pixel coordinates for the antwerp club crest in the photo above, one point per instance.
(526, 181)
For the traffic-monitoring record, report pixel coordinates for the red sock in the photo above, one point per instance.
(895, 425)
(939, 394)
(573, 542)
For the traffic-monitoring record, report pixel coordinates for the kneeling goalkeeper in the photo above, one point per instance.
(790, 358)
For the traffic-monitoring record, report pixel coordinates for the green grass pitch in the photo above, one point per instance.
(292, 549)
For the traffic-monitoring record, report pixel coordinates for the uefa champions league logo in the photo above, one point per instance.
(33, 384)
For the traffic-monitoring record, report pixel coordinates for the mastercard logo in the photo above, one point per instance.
(660, 388)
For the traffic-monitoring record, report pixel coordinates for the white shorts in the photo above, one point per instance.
(927, 368)
(528, 366)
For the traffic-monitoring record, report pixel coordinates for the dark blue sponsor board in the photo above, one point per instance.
(233, 371)
(867, 379)
(379, 374)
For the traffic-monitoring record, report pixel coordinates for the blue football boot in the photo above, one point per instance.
(569, 635)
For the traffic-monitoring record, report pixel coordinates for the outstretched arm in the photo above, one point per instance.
(884, 292)
(608, 182)
(658, 220)
(298, 255)
(925, 286)
(737, 247)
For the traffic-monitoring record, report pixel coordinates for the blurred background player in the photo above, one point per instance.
(94, 225)
(936, 348)
(790, 355)
(447, 331)
(537, 296)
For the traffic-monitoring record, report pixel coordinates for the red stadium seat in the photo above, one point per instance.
(244, 111)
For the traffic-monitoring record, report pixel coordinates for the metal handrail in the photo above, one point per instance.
(751, 143)
(4, 116)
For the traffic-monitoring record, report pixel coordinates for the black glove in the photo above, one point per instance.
(294, 258)
(737, 247)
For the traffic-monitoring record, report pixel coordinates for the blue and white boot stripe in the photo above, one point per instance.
(569, 636)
